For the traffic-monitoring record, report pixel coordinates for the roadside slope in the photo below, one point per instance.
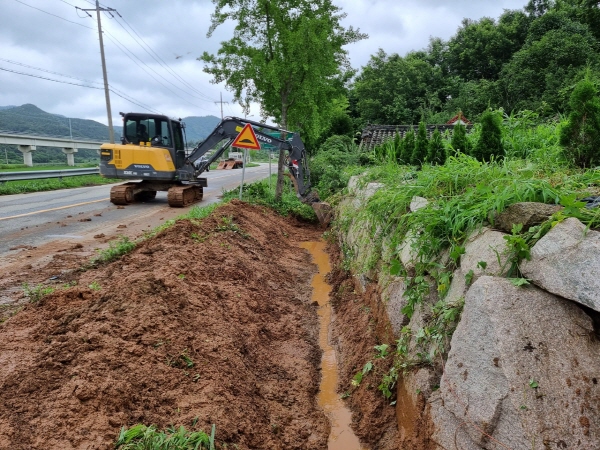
(207, 323)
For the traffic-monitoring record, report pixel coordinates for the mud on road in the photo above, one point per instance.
(209, 322)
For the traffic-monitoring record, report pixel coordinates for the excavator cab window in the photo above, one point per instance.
(138, 130)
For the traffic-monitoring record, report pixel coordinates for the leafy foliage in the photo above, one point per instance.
(142, 437)
(419, 153)
(436, 152)
(581, 135)
(489, 144)
(460, 142)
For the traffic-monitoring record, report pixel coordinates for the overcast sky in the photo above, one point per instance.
(151, 50)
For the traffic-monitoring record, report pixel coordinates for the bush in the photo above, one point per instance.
(581, 135)
(489, 145)
(327, 166)
(408, 146)
(460, 142)
(437, 150)
(419, 152)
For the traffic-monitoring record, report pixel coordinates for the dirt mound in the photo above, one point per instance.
(207, 323)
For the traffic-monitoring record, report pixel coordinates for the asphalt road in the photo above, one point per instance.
(79, 215)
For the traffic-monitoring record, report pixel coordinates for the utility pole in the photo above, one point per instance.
(221, 102)
(111, 132)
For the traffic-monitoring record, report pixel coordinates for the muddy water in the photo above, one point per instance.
(342, 437)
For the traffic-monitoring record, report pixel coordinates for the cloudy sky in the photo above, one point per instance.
(152, 45)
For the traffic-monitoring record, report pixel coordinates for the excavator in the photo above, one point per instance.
(152, 150)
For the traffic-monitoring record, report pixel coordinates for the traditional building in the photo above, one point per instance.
(373, 135)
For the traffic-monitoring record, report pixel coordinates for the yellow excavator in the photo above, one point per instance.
(152, 150)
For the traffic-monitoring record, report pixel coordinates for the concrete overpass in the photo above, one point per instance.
(28, 144)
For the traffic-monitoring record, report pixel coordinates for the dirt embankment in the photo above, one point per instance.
(360, 324)
(210, 322)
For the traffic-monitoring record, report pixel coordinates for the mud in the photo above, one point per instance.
(210, 322)
(360, 323)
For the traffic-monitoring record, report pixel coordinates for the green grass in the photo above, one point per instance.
(142, 437)
(24, 168)
(52, 184)
(263, 193)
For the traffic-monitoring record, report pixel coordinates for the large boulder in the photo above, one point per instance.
(522, 373)
(566, 262)
(486, 253)
(526, 213)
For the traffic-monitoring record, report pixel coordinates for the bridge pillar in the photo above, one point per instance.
(27, 156)
(70, 152)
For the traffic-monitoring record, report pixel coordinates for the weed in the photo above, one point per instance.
(382, 350)
(94, 286)
(148, 437)
(227, 224)
(115, 250)
(196, 237)
(36, 293)
(533, 384)
(180, 361)
(181, 276)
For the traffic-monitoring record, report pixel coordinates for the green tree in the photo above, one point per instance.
(489, 143)
(540, 74)
(408, 146)
(581, 135)
(287, 56)
(460, 142)
(395, 90)
(436, 153)
(419, 152)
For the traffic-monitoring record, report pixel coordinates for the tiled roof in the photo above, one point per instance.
(460, 116)
(373, 135)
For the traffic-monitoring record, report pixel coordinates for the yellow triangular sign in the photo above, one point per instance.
(246, 139)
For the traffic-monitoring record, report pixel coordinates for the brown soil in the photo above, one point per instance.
(360, 324)
(210, 322)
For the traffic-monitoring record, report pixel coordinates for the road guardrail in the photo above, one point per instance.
(39, 174)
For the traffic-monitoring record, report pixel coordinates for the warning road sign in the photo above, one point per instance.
(246, 139)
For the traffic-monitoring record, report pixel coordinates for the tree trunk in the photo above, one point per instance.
(280, 179)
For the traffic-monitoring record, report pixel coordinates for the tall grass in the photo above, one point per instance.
(263, 193)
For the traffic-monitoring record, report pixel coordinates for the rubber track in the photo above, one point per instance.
(121, 195)
(180, 196)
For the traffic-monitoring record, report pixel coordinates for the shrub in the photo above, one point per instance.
(581, 135)
(436, 153)
(489, 145)
(459, 141)
(419, 152)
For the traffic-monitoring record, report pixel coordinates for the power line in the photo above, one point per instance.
(161, 62)
(115, 91)
(48, 71)
(49, 79)
(54, 15)
(164, 66)
(125, 50)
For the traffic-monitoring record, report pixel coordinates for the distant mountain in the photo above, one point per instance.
(198, 128)
(31, 119)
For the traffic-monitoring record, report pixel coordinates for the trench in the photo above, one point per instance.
(341, 436)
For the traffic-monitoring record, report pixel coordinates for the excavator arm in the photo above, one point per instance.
(225, 133)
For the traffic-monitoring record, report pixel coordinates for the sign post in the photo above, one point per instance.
(246, 140)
